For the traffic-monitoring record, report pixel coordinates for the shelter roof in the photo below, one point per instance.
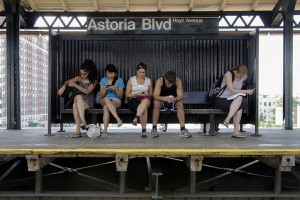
(147, 5)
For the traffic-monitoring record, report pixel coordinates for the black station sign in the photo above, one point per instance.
(153, 25)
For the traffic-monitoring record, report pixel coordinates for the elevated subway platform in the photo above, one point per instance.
(177, 166)
(274, 142)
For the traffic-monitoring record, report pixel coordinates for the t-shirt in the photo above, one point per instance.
(111, 93)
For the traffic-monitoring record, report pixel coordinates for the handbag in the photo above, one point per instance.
(71, 95)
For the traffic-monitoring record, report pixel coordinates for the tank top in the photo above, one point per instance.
(165, 91)
(137, 88)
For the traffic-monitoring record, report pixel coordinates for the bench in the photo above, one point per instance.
(195, 103)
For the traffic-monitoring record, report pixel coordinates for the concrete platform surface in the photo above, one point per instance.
(128, 141)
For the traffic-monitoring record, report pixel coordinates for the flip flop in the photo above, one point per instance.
(120, 123)
(104, 135)
(134, 122)
(238, 136)
(226, 124)
(76, 136)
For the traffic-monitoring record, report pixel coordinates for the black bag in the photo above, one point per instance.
(71, 95)
(216, 90)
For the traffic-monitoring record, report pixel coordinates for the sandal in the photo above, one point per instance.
(104, 135)
(238, 136)
(226, 124)
(120, 123)
(76, 135)
(134, 122)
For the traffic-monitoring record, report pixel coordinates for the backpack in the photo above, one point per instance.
(216, 90)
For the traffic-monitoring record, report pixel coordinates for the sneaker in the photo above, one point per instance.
(185, 133)
(154, 133)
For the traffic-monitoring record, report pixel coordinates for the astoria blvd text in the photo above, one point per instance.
(157, 25)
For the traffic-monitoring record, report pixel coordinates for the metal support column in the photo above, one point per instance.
(38, 180)
(193, 182)
(288, 12)
(12, 10)
(277, 181)
(122, 182)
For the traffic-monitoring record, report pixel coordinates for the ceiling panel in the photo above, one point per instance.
(147, 5)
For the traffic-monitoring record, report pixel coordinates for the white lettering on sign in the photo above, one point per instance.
(152, 24)
(111, 25)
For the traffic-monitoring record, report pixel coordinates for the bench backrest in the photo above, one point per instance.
(198, 60)
(196, 98)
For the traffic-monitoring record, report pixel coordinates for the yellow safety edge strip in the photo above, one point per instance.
(157, 152)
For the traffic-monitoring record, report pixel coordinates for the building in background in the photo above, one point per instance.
(33, 80)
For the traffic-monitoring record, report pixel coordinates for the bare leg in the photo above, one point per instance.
(155, 115)
(141, 109)
(143, 119)
(111, 106)
(106, 116)
(235, 105)
(180, 113)
(81, 107)
(77, 119)
(236, 121)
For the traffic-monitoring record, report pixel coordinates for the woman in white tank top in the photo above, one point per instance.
(139, 91)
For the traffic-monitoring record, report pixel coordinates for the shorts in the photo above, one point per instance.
(119, 102)
(166, 105)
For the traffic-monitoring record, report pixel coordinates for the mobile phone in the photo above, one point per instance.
(108, 85)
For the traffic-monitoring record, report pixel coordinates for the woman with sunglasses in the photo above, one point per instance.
(85, 99)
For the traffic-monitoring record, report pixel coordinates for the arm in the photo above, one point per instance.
(179, 90)
(83, 90)
(66, 83)
(228, 81)
(151, 88)
(119, 91)
(157, 90)
(129, 89)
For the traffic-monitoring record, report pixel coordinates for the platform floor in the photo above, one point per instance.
(127, 140)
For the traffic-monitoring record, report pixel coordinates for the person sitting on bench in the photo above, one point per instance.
(234, 106)
(84, 99)
(139, 91)
(168, 94)
(111, 93)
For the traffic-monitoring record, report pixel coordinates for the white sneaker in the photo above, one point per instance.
(185, 133)
(154, 133)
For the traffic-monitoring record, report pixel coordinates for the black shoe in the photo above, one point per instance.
(83, 126)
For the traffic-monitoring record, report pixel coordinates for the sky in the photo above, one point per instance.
(271, 64)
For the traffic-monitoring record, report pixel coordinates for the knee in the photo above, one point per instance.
(156, 105)
(179, 105)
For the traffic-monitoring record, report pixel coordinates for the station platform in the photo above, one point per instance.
(127, 140)
(124, 165)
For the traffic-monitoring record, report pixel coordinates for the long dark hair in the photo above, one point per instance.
(90, 67)
(112, 68)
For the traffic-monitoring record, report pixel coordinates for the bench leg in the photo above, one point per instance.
(61, 127)
(204, 128)
(212, 128)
